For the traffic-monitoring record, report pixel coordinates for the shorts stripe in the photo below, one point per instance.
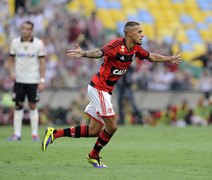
(95, 119)
(102, 102)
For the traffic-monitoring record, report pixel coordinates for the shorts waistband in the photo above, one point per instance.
(93, 85)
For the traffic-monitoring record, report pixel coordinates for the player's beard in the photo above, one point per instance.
(139, 43)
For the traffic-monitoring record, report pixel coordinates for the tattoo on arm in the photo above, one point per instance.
(94, 53)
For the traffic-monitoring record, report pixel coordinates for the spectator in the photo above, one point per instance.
(205, 84)
(95, 29)
(162, 79)
(125, 92)
(206, 58)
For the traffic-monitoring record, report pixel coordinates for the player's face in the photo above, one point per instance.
(26, 30)
(137, 34)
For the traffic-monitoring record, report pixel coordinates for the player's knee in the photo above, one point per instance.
(111, 129)
(32, 106)
(114, 129)
(94, 132)
(18, 106)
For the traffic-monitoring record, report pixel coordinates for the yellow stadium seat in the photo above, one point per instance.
(118, 15)
(187, 56)
(207, 13)
(170, 15)
(2, 39)
(73, 6)
(165, 4)
(199, 49)
(148, 30)
(129, 11)
(206, 34)
(127, 4)
(109, 24)
(159, 16)
(178, 7)
(181, 37)
(89, 6)
(175, 25)
(197, 63)
(190, 4)
(152, 4)
(140, 5)
(102, 14)
(166, 32)
(196, 14)
(106, 18)
(161, 24)
(175, 48)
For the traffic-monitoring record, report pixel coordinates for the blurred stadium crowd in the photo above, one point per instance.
(169, 25)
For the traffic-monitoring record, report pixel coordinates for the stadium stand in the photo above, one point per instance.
(192, 17)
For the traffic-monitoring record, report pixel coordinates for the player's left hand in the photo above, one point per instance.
(176, 58)
(41, 86)
(75, 53)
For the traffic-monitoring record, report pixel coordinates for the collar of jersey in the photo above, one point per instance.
(22, 40)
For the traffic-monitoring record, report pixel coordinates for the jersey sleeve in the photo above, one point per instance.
(41, 50)
(141, 53)
(12, 49)
(109, 49)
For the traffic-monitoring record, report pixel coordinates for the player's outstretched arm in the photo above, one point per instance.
(93, 53)
(175, 59)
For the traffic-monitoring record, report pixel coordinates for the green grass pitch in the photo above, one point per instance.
(135, 152)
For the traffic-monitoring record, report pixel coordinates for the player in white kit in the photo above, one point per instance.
(27, 69)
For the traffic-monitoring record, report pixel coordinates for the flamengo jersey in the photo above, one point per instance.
(117, 60)
(27, 54)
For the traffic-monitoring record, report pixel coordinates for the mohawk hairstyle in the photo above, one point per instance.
(130, 24)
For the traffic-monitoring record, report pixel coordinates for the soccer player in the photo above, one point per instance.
(27, 69)
(117, 57)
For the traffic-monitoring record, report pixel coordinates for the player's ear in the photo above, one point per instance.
(130, 33)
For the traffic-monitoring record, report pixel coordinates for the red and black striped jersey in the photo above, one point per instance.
(117, 60)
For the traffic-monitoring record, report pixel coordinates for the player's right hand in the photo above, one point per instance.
(75, 53)
(41, 86)
(12, 76)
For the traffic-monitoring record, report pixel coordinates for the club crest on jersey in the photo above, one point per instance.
(122, 48)
(110, 111)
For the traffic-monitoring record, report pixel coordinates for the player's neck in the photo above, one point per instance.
(129, 44)
(29, 38)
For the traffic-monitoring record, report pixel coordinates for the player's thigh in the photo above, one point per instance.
(19, 92)
(95, 127)
(32, 93)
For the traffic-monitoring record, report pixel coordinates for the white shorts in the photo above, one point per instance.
(100, 105)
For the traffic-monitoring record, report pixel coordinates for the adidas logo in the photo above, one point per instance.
(122, 58)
